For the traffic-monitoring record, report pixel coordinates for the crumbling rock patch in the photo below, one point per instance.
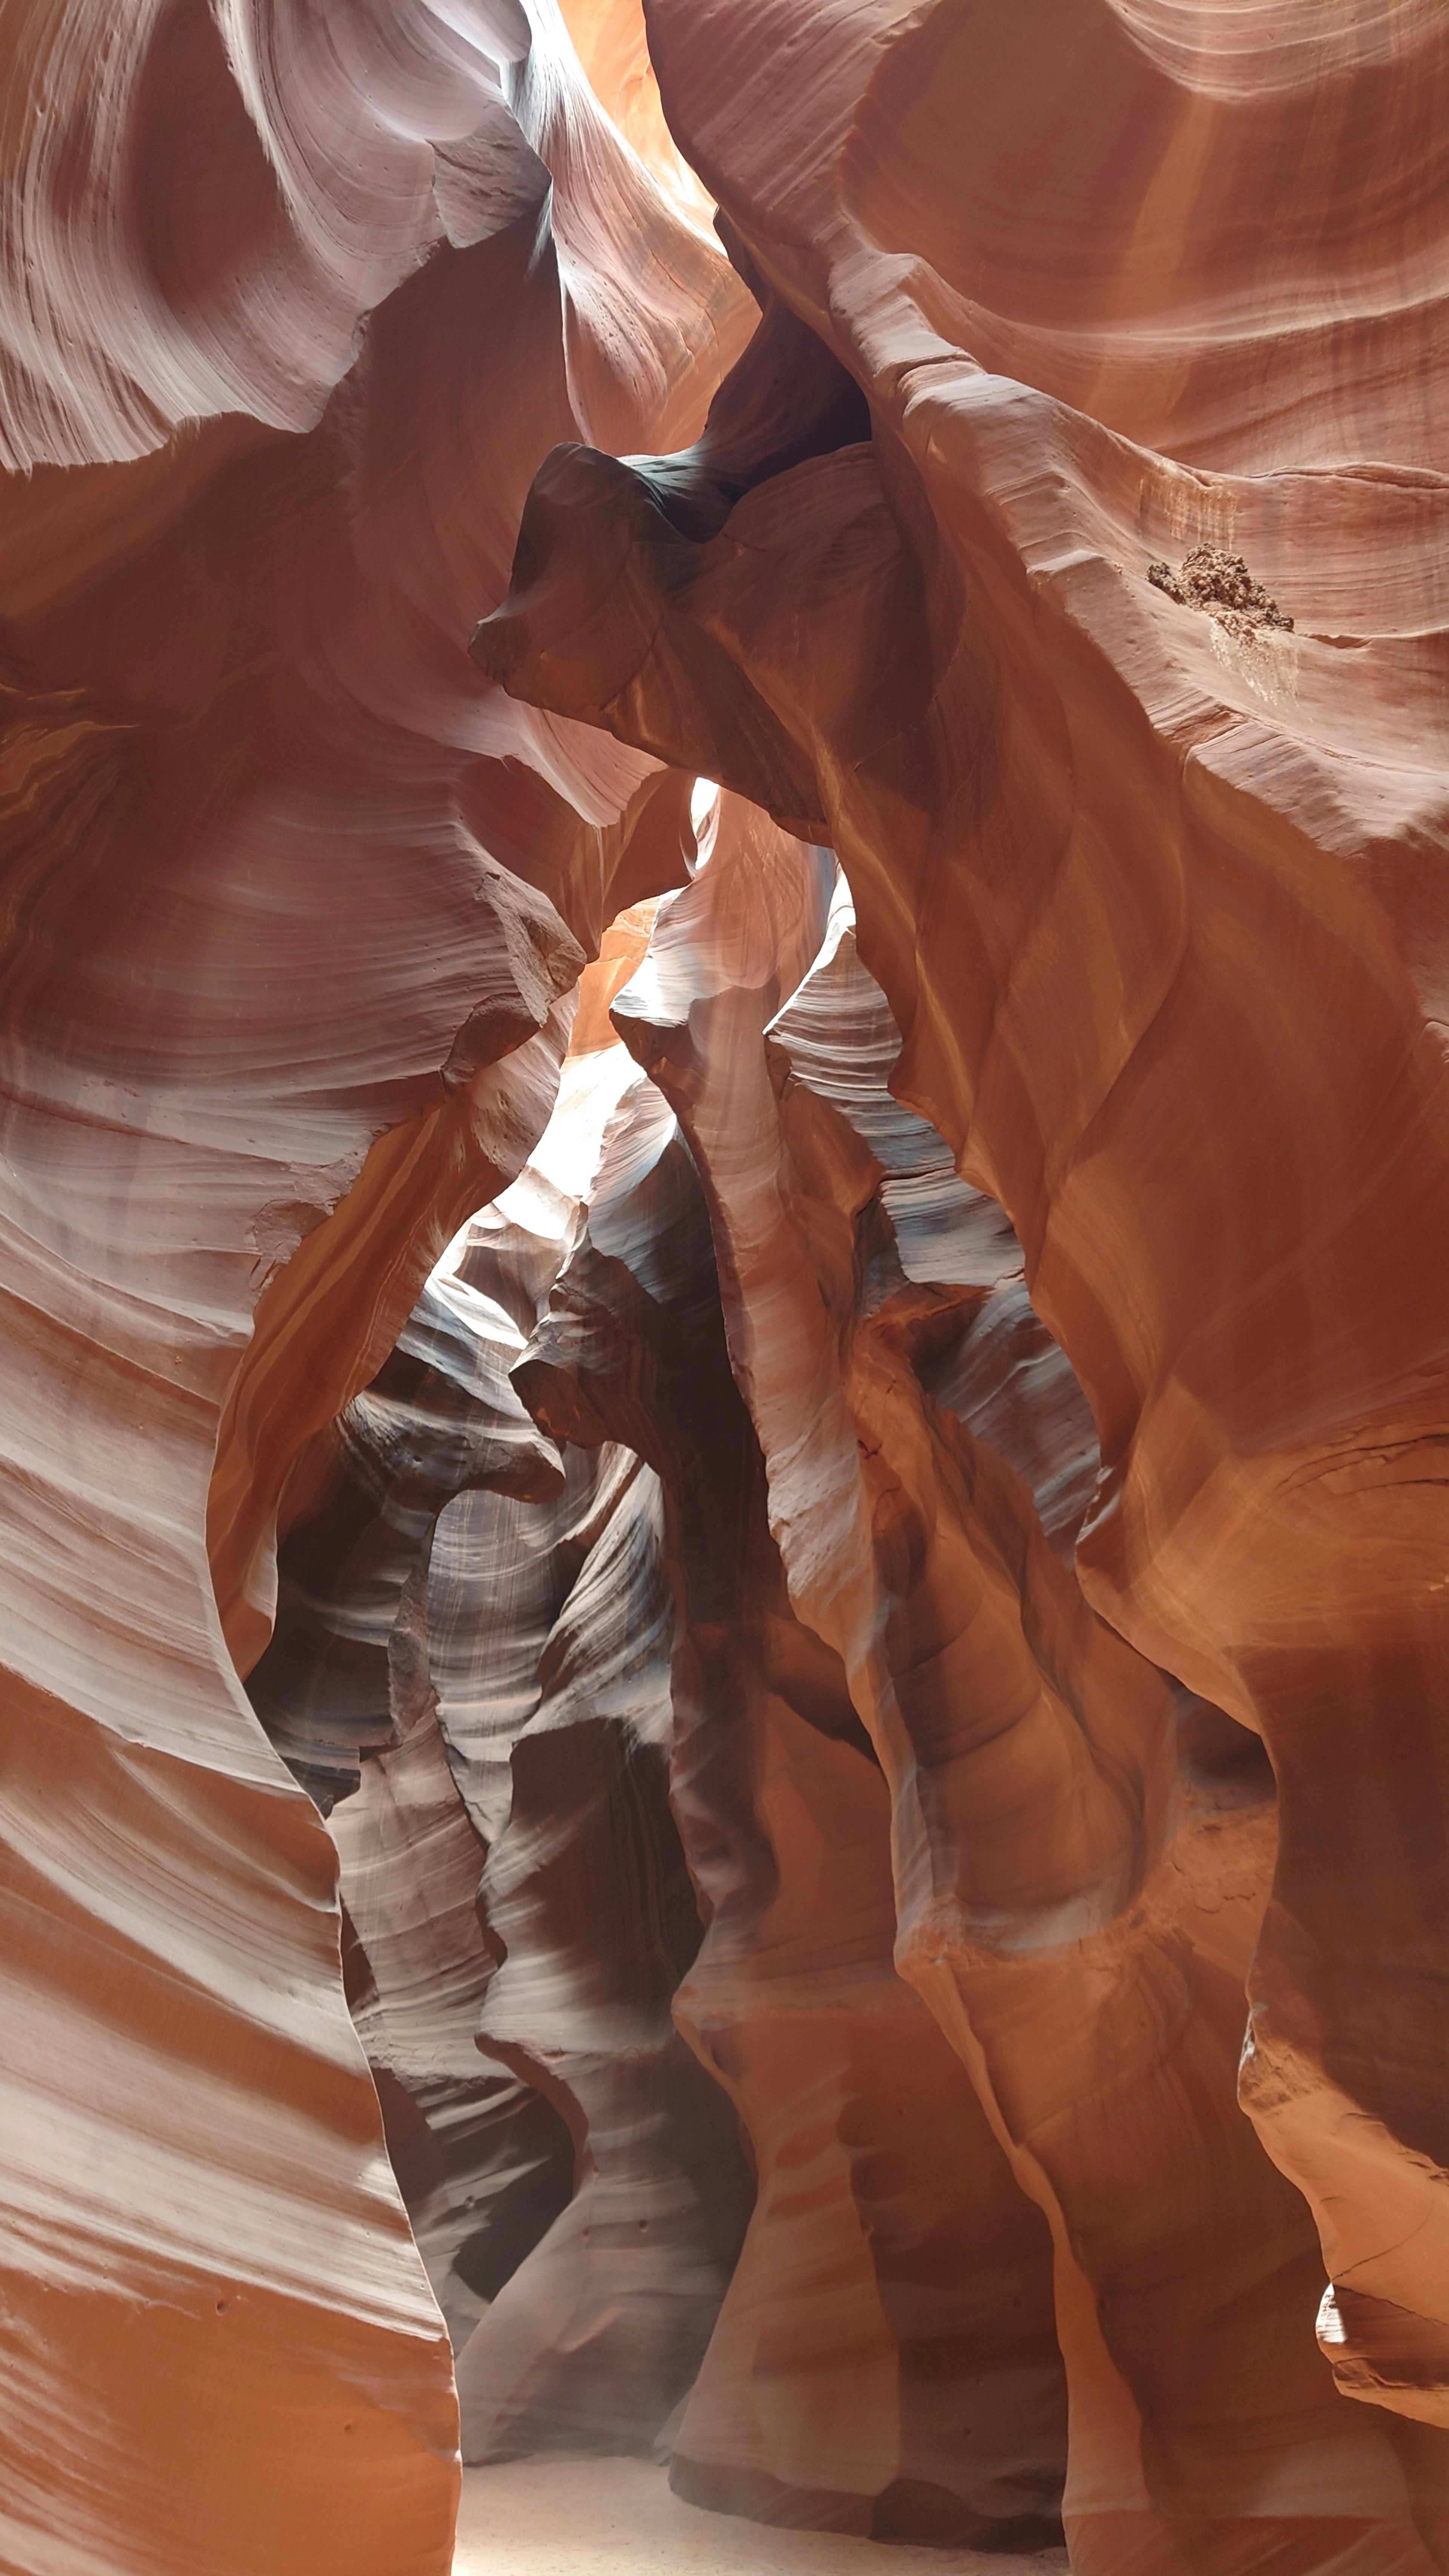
(1220, 585)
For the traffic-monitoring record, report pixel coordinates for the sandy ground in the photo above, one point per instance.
(618, 2518)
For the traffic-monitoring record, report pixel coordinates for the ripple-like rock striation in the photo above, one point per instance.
(726, 1668)
(291, 307)
(1049, 300)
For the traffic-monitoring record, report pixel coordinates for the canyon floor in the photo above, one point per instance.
(553, 2517)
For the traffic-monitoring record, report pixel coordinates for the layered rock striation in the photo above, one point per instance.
(1150, 898)
(1082, 1856)
(289, 312)
(724, 1669)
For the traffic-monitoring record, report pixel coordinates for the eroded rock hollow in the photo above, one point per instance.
(724, 1409)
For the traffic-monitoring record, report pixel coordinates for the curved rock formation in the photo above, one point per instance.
(889, 1595)
(472, 1658)
(290, 308)
(1149, 896)
(885, 2360)
(598, 2336)
(1081, 1933)
(345, 1693)
(550, 1635)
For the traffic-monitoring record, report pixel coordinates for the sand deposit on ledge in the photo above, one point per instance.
(554, 2517)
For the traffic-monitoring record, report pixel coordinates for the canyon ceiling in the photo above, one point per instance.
(724, 1219)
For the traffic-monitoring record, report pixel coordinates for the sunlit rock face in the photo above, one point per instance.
(726, 1667)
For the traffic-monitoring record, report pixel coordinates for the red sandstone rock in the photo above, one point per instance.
(1151, 902)
(290, 308)
(483, 1641)
(550, 1636)
(1012, 1433)
(1081, 1933)
(885, 2359)
(483, 2162)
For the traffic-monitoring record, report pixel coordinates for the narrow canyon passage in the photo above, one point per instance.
(724, 1192)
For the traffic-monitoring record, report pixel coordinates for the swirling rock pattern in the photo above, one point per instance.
(885, 2360)
(290, 308)
(550, 1643)
(893, 1595)
(345, 1692)
(1079, 1919)
(1150, 900)
(472, 1660)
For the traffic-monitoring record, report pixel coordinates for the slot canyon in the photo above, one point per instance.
(724, 1240)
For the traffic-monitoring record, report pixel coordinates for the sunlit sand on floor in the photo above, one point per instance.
(551, 2517)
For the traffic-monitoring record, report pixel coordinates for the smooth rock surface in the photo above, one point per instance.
(618, 2518)
(877, 1640)
(292, 304)
(1156, 902)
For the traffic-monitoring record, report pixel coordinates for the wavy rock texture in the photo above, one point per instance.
(290, 308)
(483, 2162)
(440, 1417)
(889, 1592)
(1080, 1922)
(550, 1636)
(472, 1657)
(1152, 902)
(885, 2359)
